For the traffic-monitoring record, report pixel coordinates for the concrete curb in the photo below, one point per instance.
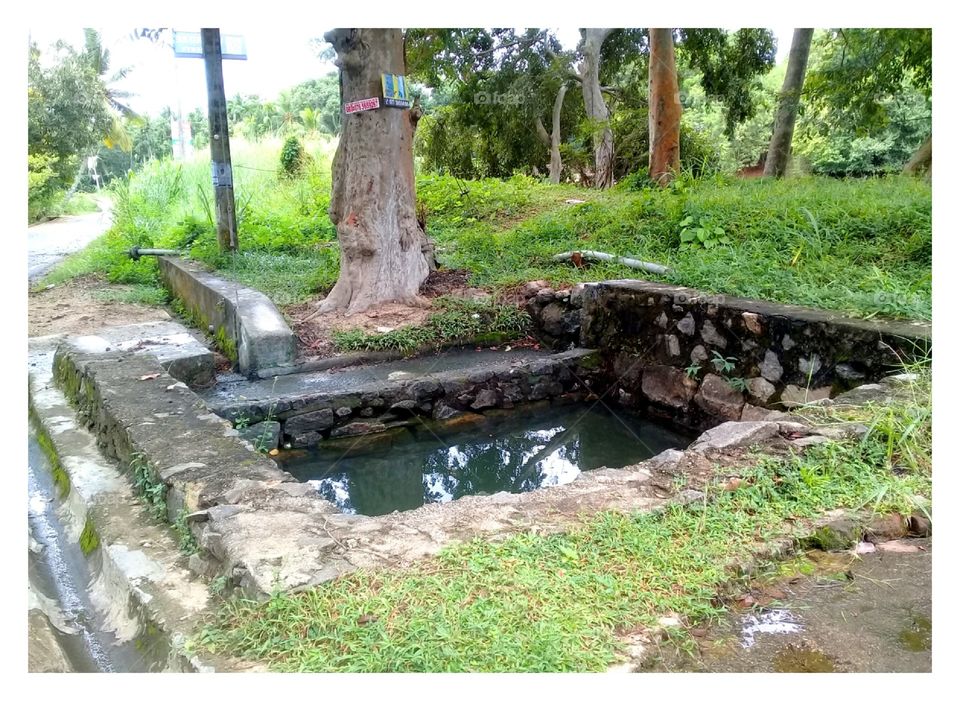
(142, 584)
(247, 326)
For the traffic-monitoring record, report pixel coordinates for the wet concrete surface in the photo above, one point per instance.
(232, 386)
(65, 631)
(867, 613)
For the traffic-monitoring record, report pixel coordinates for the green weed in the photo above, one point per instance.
(150, 489)
(89, 540)
(456, 321)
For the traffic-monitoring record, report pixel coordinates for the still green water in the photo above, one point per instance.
(518, 452)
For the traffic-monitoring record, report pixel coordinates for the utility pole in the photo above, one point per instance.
(221, 166)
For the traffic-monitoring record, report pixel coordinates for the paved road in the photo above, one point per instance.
(49, 242)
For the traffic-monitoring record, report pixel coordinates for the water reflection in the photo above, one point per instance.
(518, 453)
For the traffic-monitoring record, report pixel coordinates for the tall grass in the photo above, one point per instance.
(857, 246)
(287, 240)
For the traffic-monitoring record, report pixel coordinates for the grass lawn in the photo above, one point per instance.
(861, 246)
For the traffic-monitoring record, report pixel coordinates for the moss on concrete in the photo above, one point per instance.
(89, 540)
(60, 477)
(226, 344)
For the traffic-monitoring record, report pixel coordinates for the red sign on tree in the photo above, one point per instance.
(371, 103)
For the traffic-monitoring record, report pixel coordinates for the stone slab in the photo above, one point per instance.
(178, 351)
(245, 316)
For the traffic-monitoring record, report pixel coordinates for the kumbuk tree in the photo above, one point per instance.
(384, 253)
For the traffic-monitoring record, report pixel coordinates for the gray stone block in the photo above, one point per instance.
(262, 436)
(245, 316)
(179, 353)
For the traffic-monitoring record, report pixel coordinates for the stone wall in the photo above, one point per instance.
(700, 359)
(379, 405)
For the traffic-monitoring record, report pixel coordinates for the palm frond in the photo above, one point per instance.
(117, 136)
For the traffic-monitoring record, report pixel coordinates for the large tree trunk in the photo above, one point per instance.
(665, 108)
(922, 159)
(383, 251)
(595, 107)
(552, 140)
(779, 152)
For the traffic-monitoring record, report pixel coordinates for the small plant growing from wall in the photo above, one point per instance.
(724, 366)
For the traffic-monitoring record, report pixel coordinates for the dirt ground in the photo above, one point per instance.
(73, 307)
(315, 331)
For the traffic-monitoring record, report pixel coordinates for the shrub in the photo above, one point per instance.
(293, 157)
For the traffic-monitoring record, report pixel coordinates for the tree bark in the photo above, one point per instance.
(922, 159)
(552, 140)
(383, 251)
(789, 103)
(556, 165)
(665, 109)
(595, 107)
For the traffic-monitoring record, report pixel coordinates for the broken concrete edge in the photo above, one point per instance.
(246, 325)
(179, 351)
(141, 581)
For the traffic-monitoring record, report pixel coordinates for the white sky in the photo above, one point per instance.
(276, 60)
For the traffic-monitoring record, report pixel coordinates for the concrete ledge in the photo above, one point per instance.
(246, 324)
(142, 581)
(313, 407)
(179, 353)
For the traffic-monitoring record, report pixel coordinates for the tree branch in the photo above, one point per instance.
(542, 132)
(530, 42)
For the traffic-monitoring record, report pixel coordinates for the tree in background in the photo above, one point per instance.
(664, 108)
(502, 86)
(589, 74)
(861, 73)
(788, 105)
(68, 116)
(489, 90)
(98, 59)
